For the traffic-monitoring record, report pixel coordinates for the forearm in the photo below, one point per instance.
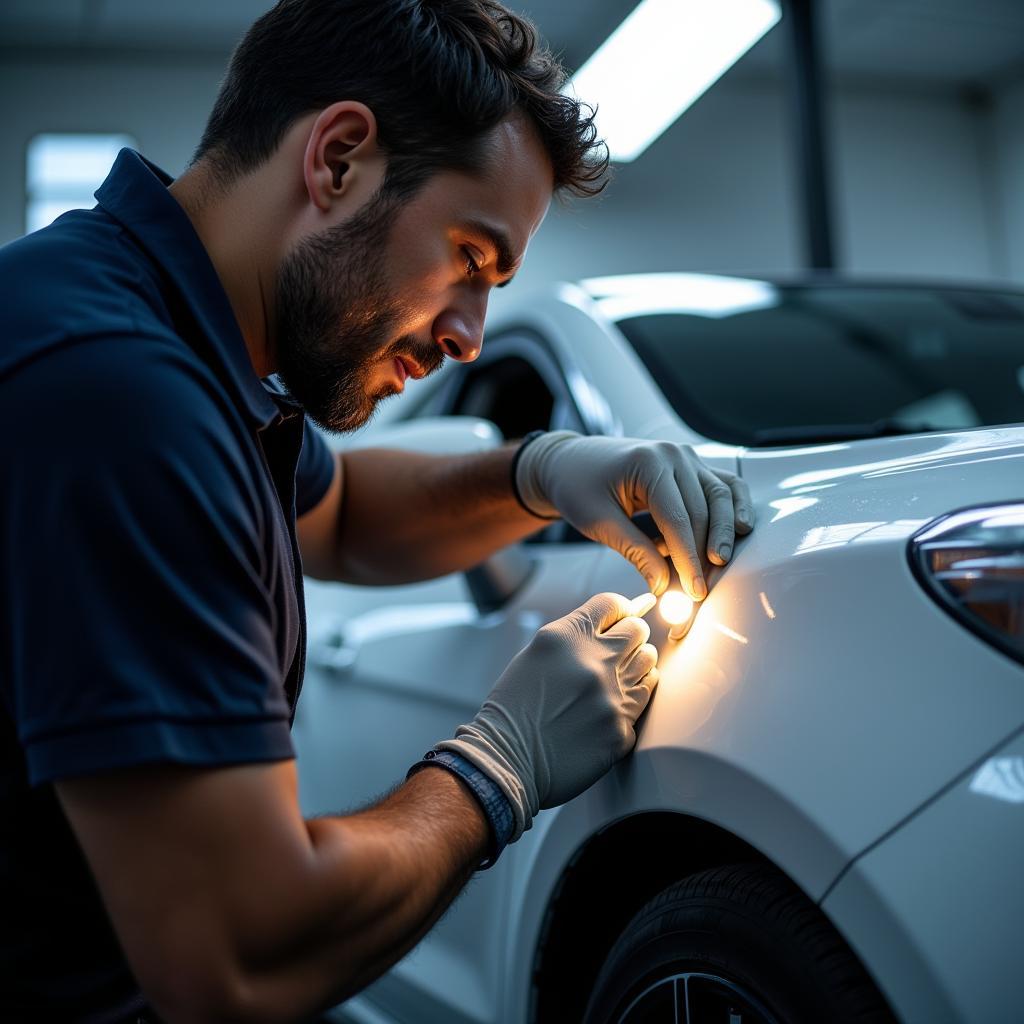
(375, 883)
(230, 907)
(407, 516)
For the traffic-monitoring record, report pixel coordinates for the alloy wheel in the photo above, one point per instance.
(696, 998)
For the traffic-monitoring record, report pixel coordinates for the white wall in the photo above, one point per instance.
(710, 194)
(718, 192)
(924, 184)
(912, 187)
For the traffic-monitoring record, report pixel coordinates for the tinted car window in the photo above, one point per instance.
(823, 362)
(510, 393)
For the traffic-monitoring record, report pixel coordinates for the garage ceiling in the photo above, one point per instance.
(950, 42)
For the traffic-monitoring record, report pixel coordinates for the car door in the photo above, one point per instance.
(393, 670)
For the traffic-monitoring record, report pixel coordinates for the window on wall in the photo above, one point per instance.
(64, 170)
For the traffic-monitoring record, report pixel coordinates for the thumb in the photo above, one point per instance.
(624, 536)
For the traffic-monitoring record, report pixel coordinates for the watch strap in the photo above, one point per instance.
(493, 802)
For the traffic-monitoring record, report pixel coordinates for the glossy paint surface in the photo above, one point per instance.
(821, 696)
(819, 700)
(935, 911)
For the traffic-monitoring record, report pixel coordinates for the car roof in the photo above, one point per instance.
(610, 284)
(621, 296)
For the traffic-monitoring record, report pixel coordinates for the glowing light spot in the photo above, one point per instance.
(675, 607)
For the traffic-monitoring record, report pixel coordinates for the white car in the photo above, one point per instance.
(823, 819)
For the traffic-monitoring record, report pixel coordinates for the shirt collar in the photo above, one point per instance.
(135, 194)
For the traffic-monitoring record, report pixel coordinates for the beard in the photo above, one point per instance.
(335, 320)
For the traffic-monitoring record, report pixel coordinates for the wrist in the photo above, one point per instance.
(529, 439)
(490, 801)
(527, 469)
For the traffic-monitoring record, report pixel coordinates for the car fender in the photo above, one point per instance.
(820, 698)
(656, 779)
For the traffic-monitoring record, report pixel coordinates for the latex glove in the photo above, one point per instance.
(563, 711)
(597, 483)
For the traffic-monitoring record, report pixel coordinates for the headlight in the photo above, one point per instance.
(972, 562)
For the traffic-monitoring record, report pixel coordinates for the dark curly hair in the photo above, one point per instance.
(438, 75)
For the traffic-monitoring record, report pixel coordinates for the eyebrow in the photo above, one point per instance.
(507, 263)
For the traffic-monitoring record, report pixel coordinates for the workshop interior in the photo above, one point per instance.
(801, 287)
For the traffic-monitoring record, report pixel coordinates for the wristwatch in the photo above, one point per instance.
(493, 802)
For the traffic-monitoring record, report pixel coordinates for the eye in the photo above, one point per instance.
(472, 266)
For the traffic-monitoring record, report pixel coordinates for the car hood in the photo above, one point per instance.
(952, 468)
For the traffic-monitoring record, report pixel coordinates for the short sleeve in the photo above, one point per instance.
(140, 627)
(315, 471)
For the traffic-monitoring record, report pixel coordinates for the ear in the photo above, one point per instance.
(342, 144)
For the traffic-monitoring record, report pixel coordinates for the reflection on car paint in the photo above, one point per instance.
(821, 537)
(401, 619)
(789, 506)
(1001, 778)
(709, 295)
(696, 674)
(977, 443)
(812, 487)
(731, 633)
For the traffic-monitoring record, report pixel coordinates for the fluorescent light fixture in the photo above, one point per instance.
(660, 60)
(626, 295)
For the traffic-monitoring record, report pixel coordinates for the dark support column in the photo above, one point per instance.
(805, 94)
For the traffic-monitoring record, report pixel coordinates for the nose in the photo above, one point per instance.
(459, 330)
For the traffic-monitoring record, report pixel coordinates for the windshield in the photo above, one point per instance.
(816, 363)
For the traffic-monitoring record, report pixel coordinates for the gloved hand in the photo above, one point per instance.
(563, 711)
(597, 483)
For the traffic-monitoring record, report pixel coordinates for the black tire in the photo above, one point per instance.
(733, 945)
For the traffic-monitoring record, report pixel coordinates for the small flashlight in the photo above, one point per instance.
(675, 607)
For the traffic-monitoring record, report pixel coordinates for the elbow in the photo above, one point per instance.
(215, 996)
(233, 993)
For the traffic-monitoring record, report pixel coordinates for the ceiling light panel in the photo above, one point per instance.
(660, 60)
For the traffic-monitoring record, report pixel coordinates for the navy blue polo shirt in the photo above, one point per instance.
(150, 582)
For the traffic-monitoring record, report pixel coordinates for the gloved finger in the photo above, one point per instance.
(635, 546)
(639, 663)
(603, 611)
(643, 604)
(743, 505)
(680, 630)
(640, 692)
(631, 631)
(721, 518)
(672, 515)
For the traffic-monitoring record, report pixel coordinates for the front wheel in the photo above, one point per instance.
(733, 945)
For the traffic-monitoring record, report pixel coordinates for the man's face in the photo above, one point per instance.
(389, 292)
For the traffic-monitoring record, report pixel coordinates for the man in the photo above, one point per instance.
(371, 169)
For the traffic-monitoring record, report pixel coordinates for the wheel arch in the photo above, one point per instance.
(655, 848)
(667, 812)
